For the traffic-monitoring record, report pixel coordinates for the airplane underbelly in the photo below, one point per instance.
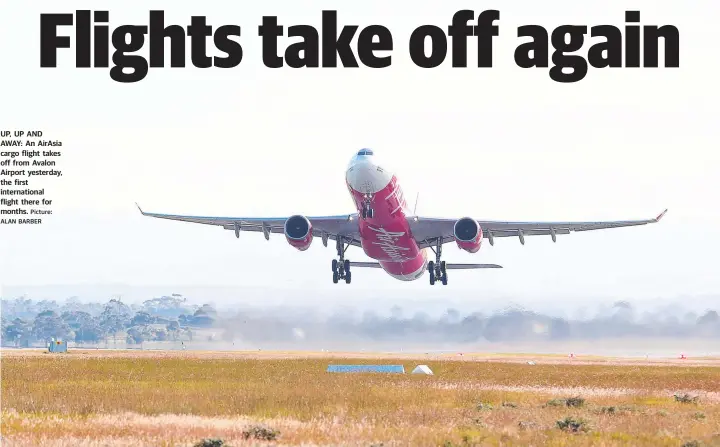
(386, 236)
(407, 270)
(391, 244)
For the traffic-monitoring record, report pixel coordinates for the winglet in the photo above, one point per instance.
(138, 207)
(660, 216)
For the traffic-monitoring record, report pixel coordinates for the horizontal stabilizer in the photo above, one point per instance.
(376, 265)
(370, 265)
(471, 266)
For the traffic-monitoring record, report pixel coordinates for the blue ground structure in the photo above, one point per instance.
(397, 369)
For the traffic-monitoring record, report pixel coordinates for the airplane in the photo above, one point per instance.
(397, 239)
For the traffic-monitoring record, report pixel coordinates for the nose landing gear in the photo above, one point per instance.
(437, 269)
(367, 211)
(341, 266)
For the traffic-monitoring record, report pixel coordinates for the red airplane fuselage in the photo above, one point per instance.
(385, 235)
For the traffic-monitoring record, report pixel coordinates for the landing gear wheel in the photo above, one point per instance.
(341, 266)
(437, 269)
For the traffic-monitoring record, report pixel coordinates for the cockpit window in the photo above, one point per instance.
(365, 152)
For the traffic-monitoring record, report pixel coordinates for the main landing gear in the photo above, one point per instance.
(367, 211)
(437, 268)
(341, 266)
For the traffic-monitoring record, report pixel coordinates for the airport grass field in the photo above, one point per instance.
(170, 398)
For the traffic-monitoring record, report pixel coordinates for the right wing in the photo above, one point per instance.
(427, 231)
(326, 227)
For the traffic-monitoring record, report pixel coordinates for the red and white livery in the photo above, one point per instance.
(389, 232)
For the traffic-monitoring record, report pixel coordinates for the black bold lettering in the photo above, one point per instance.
(485, 31)
(538, 46)
(158, 33)
(632, 39)
(270, 31)
(49, 40)
(459, 32)
(83, 38)
(438, 46)
(612, 47)
(308, 46)
(123, 60)
(101, 40)
(198, 32)
(366, 46)
(334, 45)
(651, 37)
(563, 60)
(228, 46)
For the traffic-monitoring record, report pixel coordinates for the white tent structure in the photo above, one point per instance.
(422, 369)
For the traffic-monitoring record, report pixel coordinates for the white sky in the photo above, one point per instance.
(500, 143)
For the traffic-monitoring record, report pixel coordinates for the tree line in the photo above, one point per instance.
(168, 318)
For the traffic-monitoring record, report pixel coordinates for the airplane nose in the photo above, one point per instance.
(367, 177)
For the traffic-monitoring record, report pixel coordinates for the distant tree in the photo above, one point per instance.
(710, 317)
(115, 317)
(17, 332)
(134, 336)
(204, 316)
(85, 327)
(72, 303)
(708, 325)
(168, 306)
(92, 333)
(3, 326)
(160, 335)
(76, 318)
(206, 309)
(141, 318)
(173, 330)
(48, 305)
(49, 325)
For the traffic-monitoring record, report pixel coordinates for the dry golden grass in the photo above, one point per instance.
(171, 398)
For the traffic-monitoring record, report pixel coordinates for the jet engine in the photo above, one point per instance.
(298, 232)
(468, 234)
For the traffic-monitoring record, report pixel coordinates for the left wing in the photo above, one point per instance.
(326, 227)
(428, 231)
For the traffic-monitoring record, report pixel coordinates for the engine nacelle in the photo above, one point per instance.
(468, 234)
(298, 232)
